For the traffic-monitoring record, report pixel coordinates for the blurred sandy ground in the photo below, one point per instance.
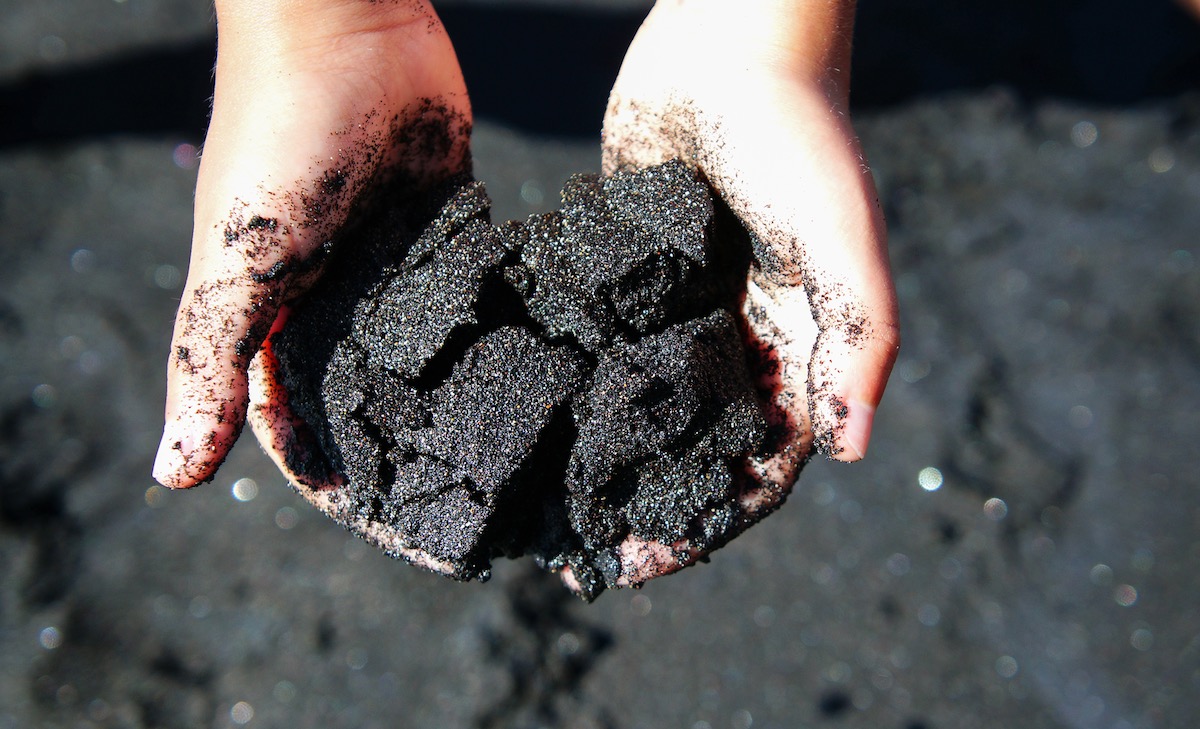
(1018, 550)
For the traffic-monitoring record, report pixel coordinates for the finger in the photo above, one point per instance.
(220, 325)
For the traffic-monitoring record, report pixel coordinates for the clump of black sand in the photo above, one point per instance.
(545, 388)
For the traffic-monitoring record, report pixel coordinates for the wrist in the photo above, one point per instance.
(292, 28)
(809, 41)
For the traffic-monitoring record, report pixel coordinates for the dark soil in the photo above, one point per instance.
(546, 388)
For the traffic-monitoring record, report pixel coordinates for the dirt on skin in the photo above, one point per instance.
(544, 388)
(224, 321)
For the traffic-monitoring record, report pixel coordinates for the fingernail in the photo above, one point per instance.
(856, 430)
(173, 453)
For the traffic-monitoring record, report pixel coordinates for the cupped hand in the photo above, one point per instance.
(755, 94)
(312, 101)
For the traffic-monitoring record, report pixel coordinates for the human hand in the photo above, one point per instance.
(313, 109)
(755, 95)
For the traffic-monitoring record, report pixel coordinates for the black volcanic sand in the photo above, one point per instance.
(546, 388)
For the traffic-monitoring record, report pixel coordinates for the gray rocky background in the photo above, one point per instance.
(1020, 549)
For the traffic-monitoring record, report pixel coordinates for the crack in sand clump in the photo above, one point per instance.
(548, 388)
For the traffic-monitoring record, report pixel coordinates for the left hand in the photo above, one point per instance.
(755, 95)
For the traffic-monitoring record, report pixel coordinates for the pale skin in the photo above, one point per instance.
(753, 94)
